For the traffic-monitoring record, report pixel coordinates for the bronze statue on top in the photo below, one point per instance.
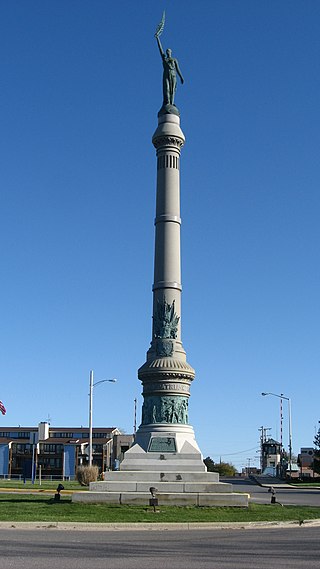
(170, 71)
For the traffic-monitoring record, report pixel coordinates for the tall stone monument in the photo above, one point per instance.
(165, 455)
(166, 375)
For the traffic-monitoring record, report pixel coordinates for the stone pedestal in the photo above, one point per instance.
(177, 488)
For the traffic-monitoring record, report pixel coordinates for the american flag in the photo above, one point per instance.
(2, 408)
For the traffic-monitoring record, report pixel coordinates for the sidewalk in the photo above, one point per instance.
(268, 481)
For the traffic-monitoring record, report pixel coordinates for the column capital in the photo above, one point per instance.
(168, 142)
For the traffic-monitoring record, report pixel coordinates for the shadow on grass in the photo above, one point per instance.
(36, 501)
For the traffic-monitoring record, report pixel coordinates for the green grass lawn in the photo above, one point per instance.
(306, 484)
(40, 508)
(45, 485)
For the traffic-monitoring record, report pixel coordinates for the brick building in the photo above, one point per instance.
(57, 451)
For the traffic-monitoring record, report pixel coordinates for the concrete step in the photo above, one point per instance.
(163, 456)
(174, 499)
(164, 466)
(161, 487)
(156, 477)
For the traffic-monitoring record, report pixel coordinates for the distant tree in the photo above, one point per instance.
(316, 459)
(209, 464)
(223, 468)
(316, 441)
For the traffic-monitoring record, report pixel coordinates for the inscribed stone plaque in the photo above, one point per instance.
(162, 444)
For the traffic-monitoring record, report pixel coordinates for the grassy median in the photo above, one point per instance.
(45, 485)
(40, 508)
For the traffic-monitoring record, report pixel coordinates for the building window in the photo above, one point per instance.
(18, 448)
(47, 462)
(23, 435)
(51, 448)
(61, 435)
(100, 435)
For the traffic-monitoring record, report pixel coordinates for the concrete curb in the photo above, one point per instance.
(83, 526)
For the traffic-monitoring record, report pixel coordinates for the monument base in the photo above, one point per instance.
(170, 488)
(168, 460)
(217, 499)
(164, 448)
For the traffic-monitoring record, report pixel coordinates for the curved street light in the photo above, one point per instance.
(91, 386)
(281, 396)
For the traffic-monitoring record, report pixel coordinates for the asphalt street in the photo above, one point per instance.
(294, 548)
(259, 548)
(286, 496)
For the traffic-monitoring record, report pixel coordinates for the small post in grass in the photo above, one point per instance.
(57, 495)
(273, 496)
(153, 501)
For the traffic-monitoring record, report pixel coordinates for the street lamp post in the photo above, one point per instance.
(91, 386)
(281, 396)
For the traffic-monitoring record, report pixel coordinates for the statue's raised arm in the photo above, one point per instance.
(160, 46)
(170, 70)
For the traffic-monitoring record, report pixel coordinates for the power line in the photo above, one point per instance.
(234, 453)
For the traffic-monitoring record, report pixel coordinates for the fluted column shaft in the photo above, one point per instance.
(167, 263)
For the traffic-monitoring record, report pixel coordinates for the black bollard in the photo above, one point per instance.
(153, 502)
(57, 495)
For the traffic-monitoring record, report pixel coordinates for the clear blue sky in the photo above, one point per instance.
(80, 91)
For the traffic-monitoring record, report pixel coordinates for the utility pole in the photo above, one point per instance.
(135, 417)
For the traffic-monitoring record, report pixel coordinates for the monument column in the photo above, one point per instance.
(168, 140)
(166, 375)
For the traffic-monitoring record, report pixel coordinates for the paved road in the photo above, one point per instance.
(286, 496)
(295, 548)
